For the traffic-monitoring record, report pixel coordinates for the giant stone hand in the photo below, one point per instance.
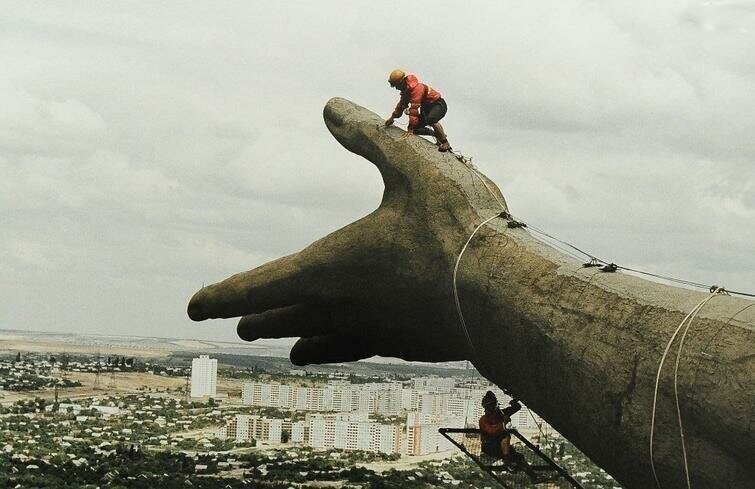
(379, 286)
(579, 346)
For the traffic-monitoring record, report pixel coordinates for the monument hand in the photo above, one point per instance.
(580, 346)
(379, 286)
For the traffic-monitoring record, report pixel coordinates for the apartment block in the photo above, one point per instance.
(248, 427)
(350, 432)
(204, 376)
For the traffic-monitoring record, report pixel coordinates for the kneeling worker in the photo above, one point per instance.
(426, 107)
(495, 438)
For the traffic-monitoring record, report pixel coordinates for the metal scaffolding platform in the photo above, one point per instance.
(536, 470)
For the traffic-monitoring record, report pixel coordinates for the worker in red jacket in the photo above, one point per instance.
(425, 105)
(495, 438)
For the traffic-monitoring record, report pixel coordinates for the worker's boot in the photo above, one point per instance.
(440, 135)
(514, 457)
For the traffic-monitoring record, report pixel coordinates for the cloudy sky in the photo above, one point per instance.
(147, 148)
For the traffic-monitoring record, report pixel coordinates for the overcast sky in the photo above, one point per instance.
(146, 148)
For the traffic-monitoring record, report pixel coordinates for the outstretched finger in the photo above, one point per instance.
(331, 349)
(280, 283)
(291, 321)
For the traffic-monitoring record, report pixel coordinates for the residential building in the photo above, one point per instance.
(248, 427)
(204, 376)
(352, 432)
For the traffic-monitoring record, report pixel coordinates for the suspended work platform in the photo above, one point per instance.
(537, 470)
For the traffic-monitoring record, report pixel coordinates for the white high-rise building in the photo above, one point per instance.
(204, 376)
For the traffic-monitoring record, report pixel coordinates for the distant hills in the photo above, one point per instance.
(13, 340)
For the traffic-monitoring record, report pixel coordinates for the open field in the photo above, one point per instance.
(12, 341)
(233, 353)
(117, 383)
(8, 347)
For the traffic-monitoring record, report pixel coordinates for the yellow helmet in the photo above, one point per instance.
(395, 77)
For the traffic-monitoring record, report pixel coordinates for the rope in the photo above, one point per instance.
(485, 183)
(564, 249)
(690, 317)
(738, 312)
(504, 214)
(539, 427)
(607, 267)
(467, 161)
(670, 279)
(456, 291)
(736, 292)
(588, 255)
(712, 337)
(718, 290)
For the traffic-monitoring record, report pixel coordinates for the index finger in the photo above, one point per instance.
(276, 284)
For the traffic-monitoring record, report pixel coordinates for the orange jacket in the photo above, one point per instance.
(494, 423)
(414, 95)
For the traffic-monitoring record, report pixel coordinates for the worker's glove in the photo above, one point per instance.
(389, 121)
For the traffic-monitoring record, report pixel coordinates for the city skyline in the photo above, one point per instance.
(101, 413)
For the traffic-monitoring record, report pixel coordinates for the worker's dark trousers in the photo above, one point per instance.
(432, 112)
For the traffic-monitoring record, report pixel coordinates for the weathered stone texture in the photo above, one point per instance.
(581, 347)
